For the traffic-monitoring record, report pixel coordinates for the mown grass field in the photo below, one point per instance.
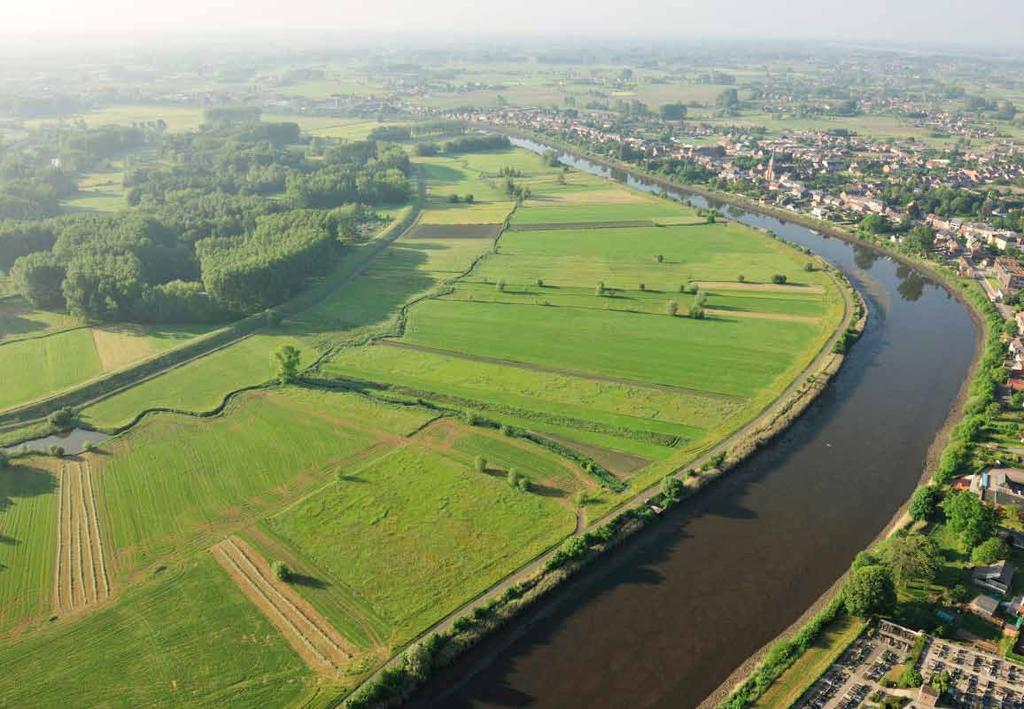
(187, 637)
(28, 511)
(163, 498)
(33, 366)
(432, 531)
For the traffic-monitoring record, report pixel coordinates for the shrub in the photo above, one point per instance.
(741, 278)
(659, 258)
(911, 678)
(672, 307)
(808, 266)
(500, 285)
(696, 312)
(57, 451)
(671, 488)
(599, 288)
(513, 477)
(62, 419)
(540, 282)
(281, 570)
(779, 279)
(481, 464)
(523, 484)
(643, 286)
(453, 198)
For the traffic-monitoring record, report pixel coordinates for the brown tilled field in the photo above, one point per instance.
(313, 638)
(81, 578)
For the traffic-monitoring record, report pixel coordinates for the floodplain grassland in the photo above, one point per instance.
(161, 498)
(432, 531)
(186, 637)
(564, 327)
(28, 527)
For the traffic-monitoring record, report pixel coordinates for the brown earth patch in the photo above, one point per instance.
(120, 345)
(794, 288)
(757, 315)
(309, 633)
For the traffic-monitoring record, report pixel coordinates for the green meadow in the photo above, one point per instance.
(187, 636)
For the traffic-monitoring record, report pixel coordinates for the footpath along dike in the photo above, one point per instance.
(443, 643)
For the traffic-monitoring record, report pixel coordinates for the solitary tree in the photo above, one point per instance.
(779, 279)
(912, 557)
(671, 487)
(672, 308)
(500, 285)
(659, 258)
(643, 286)
(869, 590)
(281, 570)
(513, 476)
(970, 520)
(599, 289)
(741, 278)
(696, 312)
(923, 502)
(286, 358)
(481, 464)
(580, 498)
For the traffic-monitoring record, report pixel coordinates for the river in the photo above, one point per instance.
(664, 620)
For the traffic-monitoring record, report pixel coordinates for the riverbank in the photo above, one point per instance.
(952, 285)
(446, 641)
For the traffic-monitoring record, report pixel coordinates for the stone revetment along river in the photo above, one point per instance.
(664, 620)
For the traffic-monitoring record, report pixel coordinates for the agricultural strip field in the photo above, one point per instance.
(28, 532)
(81, 578)
(187, 636)
(316, 642)
(35, 366)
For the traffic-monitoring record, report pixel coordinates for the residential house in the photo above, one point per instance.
(984, 606)
(1000, 486)
(998, 577)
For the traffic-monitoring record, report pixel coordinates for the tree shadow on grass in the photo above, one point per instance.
(307, 581)
(24, 480)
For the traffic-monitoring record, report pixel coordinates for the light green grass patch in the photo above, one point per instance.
(174, 483)
(188, 637)
(420, 534)
(28, 519)
(36, 367)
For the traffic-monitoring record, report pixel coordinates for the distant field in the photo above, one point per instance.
(188, 636)
(177, 118)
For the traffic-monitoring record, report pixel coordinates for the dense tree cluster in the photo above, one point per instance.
(232, 219)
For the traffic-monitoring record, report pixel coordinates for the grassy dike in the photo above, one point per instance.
(443, 644)
(771, 662)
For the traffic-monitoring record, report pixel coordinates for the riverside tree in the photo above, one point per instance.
(870, 590)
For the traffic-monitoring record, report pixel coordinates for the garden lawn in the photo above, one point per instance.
(418, 534)
(188, 637)
(175, 484)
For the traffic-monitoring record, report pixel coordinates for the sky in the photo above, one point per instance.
(975, 22)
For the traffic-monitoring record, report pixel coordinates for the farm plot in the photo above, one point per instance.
(316, 642)
(82, 578)
(455, 231)
(423, 531)
(175, 484)
(187, 637)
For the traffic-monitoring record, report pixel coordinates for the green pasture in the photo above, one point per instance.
(28, 528)
(187, 637)
(421, 533)
(176, 483)
(712, 355)
(35, 367)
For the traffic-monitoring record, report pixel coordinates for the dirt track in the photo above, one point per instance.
(316, 641)
(81, 578)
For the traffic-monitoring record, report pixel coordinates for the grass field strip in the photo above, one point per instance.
(81, 578)
(306, 630)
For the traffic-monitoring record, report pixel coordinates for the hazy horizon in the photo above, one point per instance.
(979, 23)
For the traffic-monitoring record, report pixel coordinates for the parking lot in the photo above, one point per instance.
(980, 679)
(854, 677)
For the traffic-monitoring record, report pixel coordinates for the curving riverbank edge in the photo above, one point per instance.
(809, 624)
(447, 641)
